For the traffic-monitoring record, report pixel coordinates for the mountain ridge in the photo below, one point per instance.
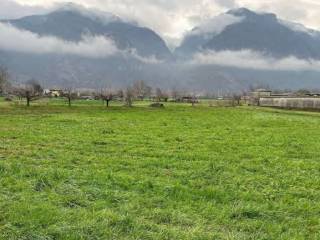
(261, 32)
(71, 24)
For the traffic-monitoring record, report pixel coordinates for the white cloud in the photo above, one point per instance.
(217, 24)
(92, 13)
(16, 40)
(10, 9)
(227, 3)
(248, 59)
(298, 27)
(148, 60)
(13, 39)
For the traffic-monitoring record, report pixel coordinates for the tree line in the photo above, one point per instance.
(138, 91)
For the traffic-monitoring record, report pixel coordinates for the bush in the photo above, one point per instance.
(157, 105)
(8, 99)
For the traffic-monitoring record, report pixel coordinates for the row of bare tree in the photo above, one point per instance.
(139, 90)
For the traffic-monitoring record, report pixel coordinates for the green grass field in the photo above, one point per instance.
(88, 172)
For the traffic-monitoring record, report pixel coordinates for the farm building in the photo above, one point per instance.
(265, 98)
(291, 102)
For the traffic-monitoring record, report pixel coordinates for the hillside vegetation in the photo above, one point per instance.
(88, 172)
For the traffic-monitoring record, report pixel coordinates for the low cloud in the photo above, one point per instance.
(13, 39)
(247, 59)
(148, 60)
(96, 47)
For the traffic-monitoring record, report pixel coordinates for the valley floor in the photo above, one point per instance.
(88, 172)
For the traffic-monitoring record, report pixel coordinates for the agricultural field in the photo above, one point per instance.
(182, 172)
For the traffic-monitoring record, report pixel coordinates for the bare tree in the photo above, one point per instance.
(129, 95)
(4, 79)
(175, 94)
(70, 95)
(193, 100)
(141, 90)
(165, 96)
(120, 94)
(158, 94)
(236, 99)
(106, 95)
(31, 91)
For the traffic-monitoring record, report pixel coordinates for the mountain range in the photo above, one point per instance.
(72, 22)
(262, 32)
(143, 55)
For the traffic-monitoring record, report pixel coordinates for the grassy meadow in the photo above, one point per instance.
(88, 172)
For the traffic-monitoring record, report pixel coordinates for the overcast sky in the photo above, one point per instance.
(172, 18)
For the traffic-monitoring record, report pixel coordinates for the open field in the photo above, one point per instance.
(88, 172)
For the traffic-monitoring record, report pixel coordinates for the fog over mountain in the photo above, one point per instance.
(72, 23)
(80, 47)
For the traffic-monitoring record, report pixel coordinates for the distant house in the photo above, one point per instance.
(53, 92)
(88, 98)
